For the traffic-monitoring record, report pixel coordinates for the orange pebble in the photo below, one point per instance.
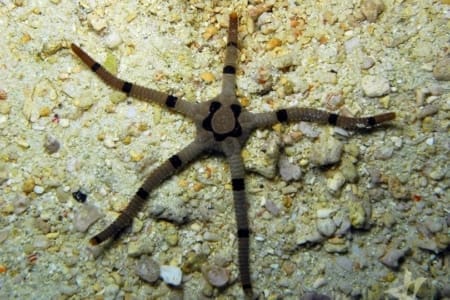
(3, 268)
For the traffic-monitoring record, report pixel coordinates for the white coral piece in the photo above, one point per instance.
(401, 292)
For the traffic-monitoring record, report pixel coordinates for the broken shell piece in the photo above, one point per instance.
(3, 94)
(171, 275)
(371, 9)
(217, 276)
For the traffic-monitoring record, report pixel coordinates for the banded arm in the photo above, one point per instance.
(231, 54)
(240, 209)
(134, 90)
(296, 114)
(167, 169)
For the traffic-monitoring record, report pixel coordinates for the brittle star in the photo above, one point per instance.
(223, 126)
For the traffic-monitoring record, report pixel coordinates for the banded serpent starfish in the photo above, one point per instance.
(223, 125)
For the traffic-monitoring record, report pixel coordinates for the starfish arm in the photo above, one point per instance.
(296, 114)
(167, 169)
(134, 90)
(231, 54)
(240, 208)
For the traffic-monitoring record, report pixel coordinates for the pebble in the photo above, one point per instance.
(193, 262)
(344, 226)
(442, 240)
(358, 216)
(3, 94)
(262, 157)
(79, 196)
(371, 9)
(433, 224)
(397, 189)
(207, 77)
(87, 215)
(441, 70)
(313, 237)
(113, 40)
(323, 213)
(216, 276)
(375, 86)
(84, 102)
(427, 244)
(428, 93)
(437, 173)
(288, 170)
(41, 242)
(97, 22)
(147, 269)
(211, 236)
(38, 189)
(21, 204)
(111, 291)
(367, 63)
(42, 225)
(171, 275)
(428, 110)
(336, 247)
(345, 263)
(326, 227)
(384, 152)
(28, 185)
(3, 119)
(397, 141)
(327, 151)
(335, 183)
(309, 130)
(349, 170)
(179, 216)
(392, 256)
(4, 233)
(51, 144)
(172, 239)
(272, 208)
(351, 44)
(319, 282)
(334, 101)
(141, 247)
(64, 122)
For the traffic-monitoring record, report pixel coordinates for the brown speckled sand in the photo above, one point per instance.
(367, 226)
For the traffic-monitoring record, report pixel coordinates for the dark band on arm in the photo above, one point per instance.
(126, 88)
(238, 184)
(282, 115)
(243, 233)
(247, 286)
(332, 119)
(143, 194)
(171, 101)
(175, 161)
(95, 67)
(229, 70)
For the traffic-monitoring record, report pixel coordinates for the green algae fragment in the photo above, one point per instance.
(111, 64)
